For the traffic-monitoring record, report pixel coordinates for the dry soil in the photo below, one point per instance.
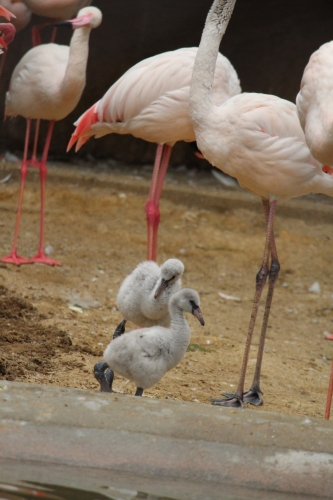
(56, 321)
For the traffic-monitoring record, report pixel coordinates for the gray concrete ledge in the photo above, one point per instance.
(190, 450)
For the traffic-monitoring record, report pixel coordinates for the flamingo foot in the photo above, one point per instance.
(329, 337)
(252, 396)
(104, 375)
(14, 258)
(233, 401)
(120, 329)
(41, 258)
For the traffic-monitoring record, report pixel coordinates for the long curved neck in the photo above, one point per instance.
(201, 92)
(180, 326)
(75, 75)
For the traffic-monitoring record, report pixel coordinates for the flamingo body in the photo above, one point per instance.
(257, 138)
(150, 101)
(315, 104)
(58, 9)
(36, 84)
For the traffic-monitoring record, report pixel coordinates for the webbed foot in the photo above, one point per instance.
(104, 375)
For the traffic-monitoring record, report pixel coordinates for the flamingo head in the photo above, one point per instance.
(7, 34)
(90, 17)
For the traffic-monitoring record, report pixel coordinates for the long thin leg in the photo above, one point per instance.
(161, 163)
(2, 63)
(33, 160)
(236, 400)
(13, 257)
(40, 256)
(158, 192)
(35, 30)
(329, 395)
(252, 396)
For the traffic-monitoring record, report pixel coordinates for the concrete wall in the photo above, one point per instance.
(268, 41)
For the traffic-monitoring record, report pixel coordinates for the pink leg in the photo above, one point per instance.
(162, 158)
(36, 39)
(2, 63)
(329, 395)
(13, 257)
(40, 256)
(33, 161)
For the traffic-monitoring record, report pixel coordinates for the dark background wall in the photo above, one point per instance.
(268, 41)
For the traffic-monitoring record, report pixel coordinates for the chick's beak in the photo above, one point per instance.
(198, 314)
(162, 286)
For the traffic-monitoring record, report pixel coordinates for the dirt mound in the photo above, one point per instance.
(25, 344)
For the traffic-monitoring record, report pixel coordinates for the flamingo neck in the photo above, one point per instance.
(75, 75)
(201, 92)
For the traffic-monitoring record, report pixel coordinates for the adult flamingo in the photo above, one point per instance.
(258, 139)
(56, 10)
(47, 85)
(314, 108)
(150, 101)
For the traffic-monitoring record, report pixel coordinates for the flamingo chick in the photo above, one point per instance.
(257, 139)
(150, 101)
(56, 10)
(144, 295)
(145, 355)
(47, 85)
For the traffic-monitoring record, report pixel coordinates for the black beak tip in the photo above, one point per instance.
(63, 24)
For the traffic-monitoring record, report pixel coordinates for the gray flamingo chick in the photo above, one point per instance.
(145, 355)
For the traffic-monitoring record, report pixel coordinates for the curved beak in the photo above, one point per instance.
(78, 22)
(162, 286)
(6, 13)
(198, 314)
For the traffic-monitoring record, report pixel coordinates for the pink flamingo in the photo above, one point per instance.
(56, 10)
(21, 18)
(150, 101)
(258, 139)
(47, 85)
(314, 108)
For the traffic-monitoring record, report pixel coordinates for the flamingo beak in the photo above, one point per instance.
(6, 14)
(198, 314)
(162, 286)
(78, 22)
(3, 43)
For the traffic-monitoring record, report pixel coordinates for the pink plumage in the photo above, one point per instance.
(150, 101)
(47, 85)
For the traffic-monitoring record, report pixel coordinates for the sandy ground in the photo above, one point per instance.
(56, 321)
